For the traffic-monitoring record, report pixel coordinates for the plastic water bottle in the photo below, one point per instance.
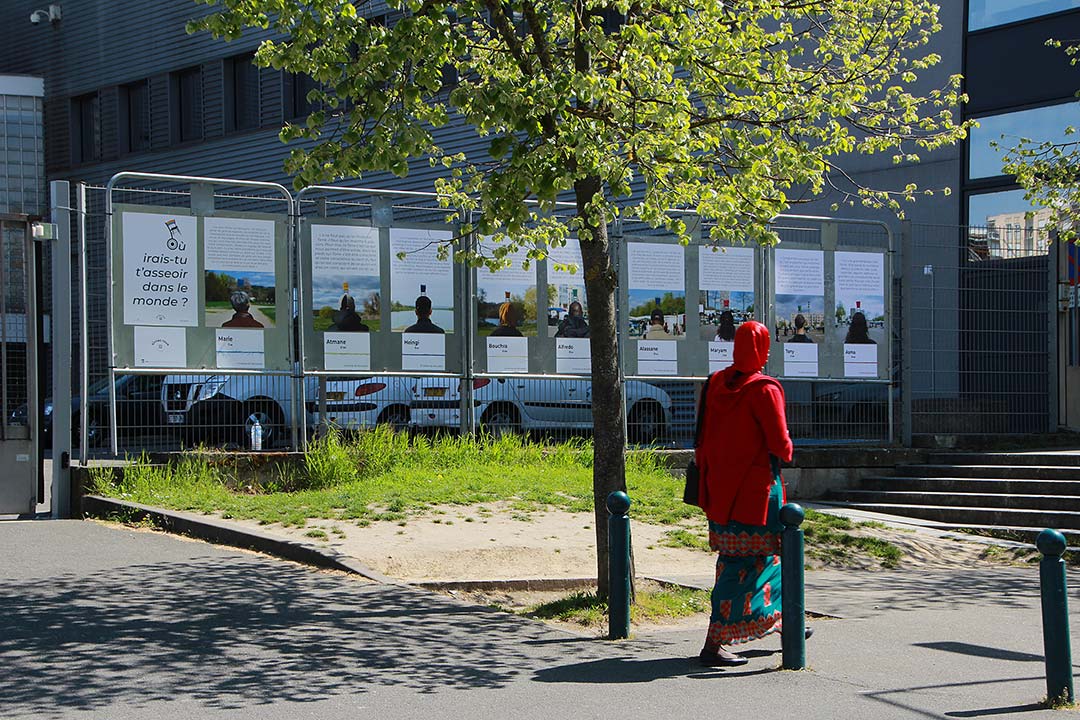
(256, 435)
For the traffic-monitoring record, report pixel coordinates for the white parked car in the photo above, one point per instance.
(223, 408)
(522, 405)
(366, 401)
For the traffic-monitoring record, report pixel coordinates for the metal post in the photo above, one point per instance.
(1055, 617)
(84, 326)
(793, 633)
(618, 503)
(907, 283)
(60, 196)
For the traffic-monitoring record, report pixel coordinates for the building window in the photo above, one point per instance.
(135, 112)
(187, 105)
(297, 105)
(86, 138)
(990, 13)
(1003, 224)
(241, 93)
(1043, 124)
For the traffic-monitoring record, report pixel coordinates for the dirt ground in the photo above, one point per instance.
(462, 547)
(495, 542)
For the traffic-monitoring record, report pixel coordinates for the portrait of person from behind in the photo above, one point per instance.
(347, 319)
(573, 324)
(656, 330)
(725, 331)
(423, 322)
(800, 335)
(508, 321)
(742, 436)
(241, 305)
(859, 331)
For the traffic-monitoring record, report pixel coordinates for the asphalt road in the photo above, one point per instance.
(107, 622)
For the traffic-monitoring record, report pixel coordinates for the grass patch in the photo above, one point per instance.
(650, 605)
(382, 475)
(826, 543)
(680, 538)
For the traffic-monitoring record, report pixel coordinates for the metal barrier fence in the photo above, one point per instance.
(979, 351)
(220, 408)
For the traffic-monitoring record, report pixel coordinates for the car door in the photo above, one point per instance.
(566, 402)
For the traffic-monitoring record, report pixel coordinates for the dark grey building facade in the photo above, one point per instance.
(126, 88)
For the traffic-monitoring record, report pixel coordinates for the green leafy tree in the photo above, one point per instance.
(841, 312)
(733, 109)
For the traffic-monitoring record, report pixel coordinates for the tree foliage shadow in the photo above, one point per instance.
(239, 631)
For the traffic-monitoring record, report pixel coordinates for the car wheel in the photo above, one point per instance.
(500, 420)
(645, 424)
(397, 417)
(270, 417)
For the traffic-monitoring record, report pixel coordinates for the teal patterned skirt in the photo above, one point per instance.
(746, 596)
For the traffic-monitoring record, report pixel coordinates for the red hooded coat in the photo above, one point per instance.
(744, 423)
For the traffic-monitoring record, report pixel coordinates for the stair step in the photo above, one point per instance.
(1054, 459)
(1064, 503)
(1023, 472)
(952, 515)
(1028, 486)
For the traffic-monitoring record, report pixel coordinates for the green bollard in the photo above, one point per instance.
(618, 503)
(1055, 617)
(793, 601)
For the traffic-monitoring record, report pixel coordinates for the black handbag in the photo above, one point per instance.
(690, 494)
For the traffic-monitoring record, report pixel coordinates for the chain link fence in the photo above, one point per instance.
(978, 356)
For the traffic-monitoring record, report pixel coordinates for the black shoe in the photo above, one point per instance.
(809, 632)
(709, 658)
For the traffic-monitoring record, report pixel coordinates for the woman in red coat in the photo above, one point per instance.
(743, 425)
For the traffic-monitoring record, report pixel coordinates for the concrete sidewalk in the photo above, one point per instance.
(108, 622)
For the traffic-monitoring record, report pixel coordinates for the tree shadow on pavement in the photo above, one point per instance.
(238, 631)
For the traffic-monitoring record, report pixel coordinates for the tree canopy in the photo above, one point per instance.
(733, 109)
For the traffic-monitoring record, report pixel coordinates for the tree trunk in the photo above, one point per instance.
(609, 429)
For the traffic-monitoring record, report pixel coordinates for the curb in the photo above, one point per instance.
(221, 533)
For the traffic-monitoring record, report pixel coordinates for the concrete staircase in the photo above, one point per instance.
(1019, 492)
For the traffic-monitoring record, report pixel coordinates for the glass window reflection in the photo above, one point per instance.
(1005, 225)
(1038, 124)
(988, 13)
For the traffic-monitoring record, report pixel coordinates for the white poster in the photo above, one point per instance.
(240, 276)
(657, 357)
(160, 347)
(721, 355)
(799, 280)
(725, 293)
(508, 354)
(507, 303)
(421, 285)
(568, 309)
(800, 272)
(420, 351)
(860, 361)
(573, 356)
(800, 360)
(346, 288)
(240, 349)
(859, 318)
(160, 269)
(346, 351)
(657, 291)
(238, 244)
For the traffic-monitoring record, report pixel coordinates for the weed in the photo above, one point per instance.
(679, 538)
(316, 533)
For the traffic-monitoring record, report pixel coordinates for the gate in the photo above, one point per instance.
(20, 416)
